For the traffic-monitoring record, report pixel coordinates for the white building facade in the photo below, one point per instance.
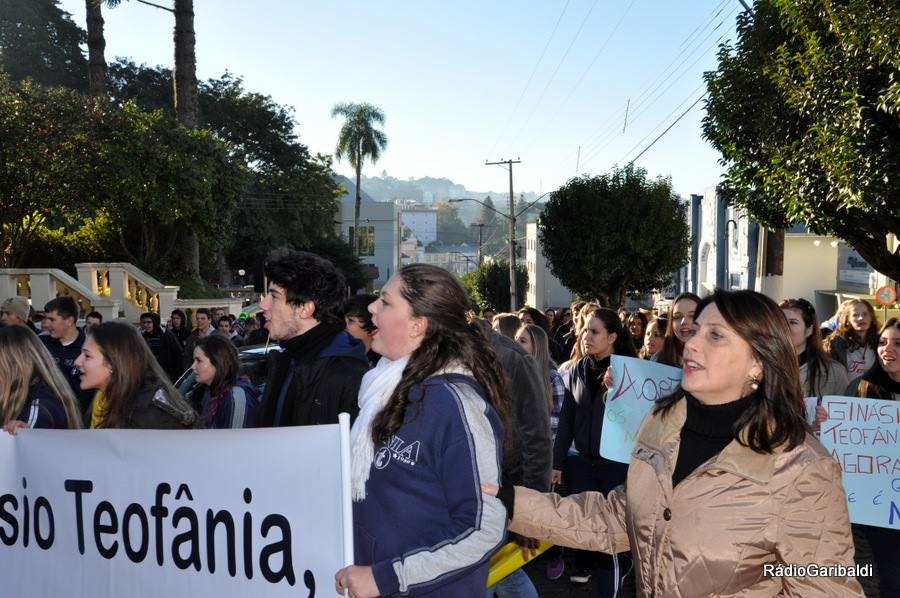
(544, 289)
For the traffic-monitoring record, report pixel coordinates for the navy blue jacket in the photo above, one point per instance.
(43, 409)
(425, 527)
(65, 356)
(239, 408)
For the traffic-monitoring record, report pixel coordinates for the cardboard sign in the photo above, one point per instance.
(863, 435)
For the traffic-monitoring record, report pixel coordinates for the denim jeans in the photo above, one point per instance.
(516, 585)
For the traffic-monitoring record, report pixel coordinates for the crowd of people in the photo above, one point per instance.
(470, 431)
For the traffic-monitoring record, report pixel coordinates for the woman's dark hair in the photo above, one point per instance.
(357, 306)
(537, 316)
(223, 356)
(816, 358)
(669, 353)
(778, 415)
(131, 363)
(435, 294)
(845, 327)
(869, 385)
(613, 324)
(638, 340)
(180, 314)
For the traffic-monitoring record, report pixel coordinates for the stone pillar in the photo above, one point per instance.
(42, 289)
(7, 285)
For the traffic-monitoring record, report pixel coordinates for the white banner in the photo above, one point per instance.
(137, 513)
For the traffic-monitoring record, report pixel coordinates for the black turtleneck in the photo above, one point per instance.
(596, 368)
(707, 430)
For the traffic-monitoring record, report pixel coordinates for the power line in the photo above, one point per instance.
(556, 70)
(651, 92)
(530, 77)
(648, 102)
(667, 128)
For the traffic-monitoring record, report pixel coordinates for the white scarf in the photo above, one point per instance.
(377, 387)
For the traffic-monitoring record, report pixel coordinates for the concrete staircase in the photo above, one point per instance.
(115, 290)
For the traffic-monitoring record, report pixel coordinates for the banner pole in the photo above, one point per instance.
(346, 502)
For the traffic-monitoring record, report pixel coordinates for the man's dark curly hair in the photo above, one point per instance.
(307, 277)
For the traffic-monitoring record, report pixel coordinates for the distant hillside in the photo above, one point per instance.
(426, 189)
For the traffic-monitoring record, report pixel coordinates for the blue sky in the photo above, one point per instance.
(467, 81)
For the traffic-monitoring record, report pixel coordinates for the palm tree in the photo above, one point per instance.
(96, 44)
(358, 140)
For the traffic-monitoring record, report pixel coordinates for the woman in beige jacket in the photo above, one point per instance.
(726, 486)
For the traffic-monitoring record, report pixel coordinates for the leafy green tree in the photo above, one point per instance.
(610, 234)
(450, 228)
(289, 198)
(47, 168)
(183, 178)
(488, 285)
(805, 109)
(66, 161)
(187, 105)
(38, 40)
(359, 140)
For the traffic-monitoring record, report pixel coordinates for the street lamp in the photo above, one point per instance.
(511, 217)
(241, 273)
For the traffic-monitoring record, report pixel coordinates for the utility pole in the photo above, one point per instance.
(512, 232)
(480, 226)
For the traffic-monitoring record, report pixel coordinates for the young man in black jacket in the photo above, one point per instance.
(318, 372)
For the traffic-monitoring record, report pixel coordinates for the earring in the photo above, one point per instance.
(754, 384)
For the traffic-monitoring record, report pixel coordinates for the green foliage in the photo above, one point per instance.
(288, 197)
(47, 161)
(41, 42)
(341, 254)
(805, 109)
(192, 288)
(59, 248)
(450, 229)
(65, 159)
(488, 285)
(182, 177)
(607, 235)
(358, 139)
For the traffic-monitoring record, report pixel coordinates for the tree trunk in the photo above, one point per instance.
(96, 44)
(773, 283)
(354, 238)
(187, 104)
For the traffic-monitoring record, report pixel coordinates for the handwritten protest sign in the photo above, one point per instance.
(143, 513)
(863, 435)
(637, 383)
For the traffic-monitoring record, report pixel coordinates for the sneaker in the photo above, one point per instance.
(580, 576)
(555, 568)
